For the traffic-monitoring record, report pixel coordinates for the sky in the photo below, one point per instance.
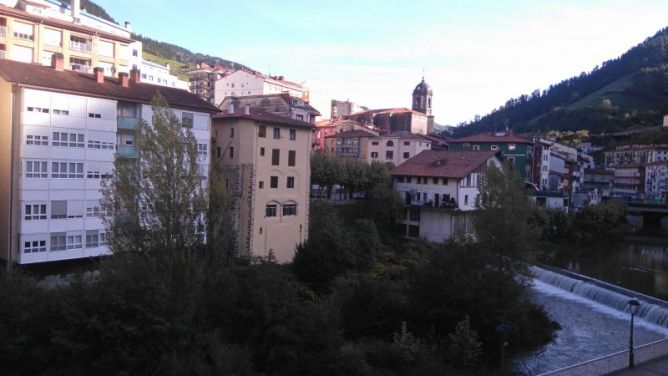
(475, 54)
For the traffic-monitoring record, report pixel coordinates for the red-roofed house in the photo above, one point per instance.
(266, 159)
(440, 190)
(389, 120)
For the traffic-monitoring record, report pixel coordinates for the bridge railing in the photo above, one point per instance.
(614, 362)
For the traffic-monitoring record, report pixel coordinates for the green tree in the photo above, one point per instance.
(158, 201)
(464, 349)
(501, 221)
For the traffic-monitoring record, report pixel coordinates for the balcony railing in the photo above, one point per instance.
(3, 31)
(127, 151)
(3, 54)
(81, 68)
(126, 122)
(81, 46)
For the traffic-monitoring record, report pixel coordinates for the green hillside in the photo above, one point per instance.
(177, 68)
(630, 91)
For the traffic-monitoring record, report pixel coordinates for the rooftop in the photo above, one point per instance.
(448, 164)
(500, 137)
(353, 134)
(262, 116)
(46, 78)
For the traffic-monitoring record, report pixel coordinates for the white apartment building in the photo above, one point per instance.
(440, 189)
(160, 75)
(62, 132)
(243, 83)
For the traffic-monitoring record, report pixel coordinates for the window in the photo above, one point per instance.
(22, 54)
(277, 133)
(93, 170)
(293, 134)
(38, 109)
(407, 155)
(262, 152)
(290, 182)
(494, 147)
(290, 209)
(231, 152)
(273, 182)
(37, 140)
(374, 154)
(53, 37)
(262, 131)
(435, 180)
(202, 150)
(270, 210)
(92, 239)
(275, 157)
(64, 139)
(103, 238)
(390, 143)
(23, 31)
(466, 199)
(407, 143)
(94, 115)
(231, 132)
(445, 181)
(74, 241)
(95, 143)
(35, 212)
(300, 117)
(414, 215)
(414, 231)
(261, 184)
(187, 119)
(400, 179)
(389, 154)
(466, 145)
(218, 152)
(58, 209)
(65, 170)
(292, 155)
(476, 147)
(374, 143)
(512, 146)
(58, 241)
(93, 212)
(34, 246)
(36, 169)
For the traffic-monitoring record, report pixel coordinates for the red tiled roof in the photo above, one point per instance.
(492, 137)
(448, 164)
(262, 116)
(60, 23)
(352, 134)
(47, 78)
(398, 110)
(335, 123)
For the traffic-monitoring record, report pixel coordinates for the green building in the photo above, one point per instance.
(516, 149)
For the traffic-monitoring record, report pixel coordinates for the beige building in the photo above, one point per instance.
(369, 146)
(32, 33)
(266, 159)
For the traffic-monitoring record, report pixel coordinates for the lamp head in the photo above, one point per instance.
(634, 305)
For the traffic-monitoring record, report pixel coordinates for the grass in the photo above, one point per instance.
(176, 67)
(614, 92)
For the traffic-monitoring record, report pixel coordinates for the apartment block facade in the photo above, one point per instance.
(266, 161)
(440, 190)
(32, 33)
(62, 131)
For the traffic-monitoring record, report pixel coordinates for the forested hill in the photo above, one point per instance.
(629, 91)
(161, 49)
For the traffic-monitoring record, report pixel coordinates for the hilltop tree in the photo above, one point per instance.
(157, 201)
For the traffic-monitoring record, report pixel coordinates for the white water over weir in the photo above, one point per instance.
(652, 310)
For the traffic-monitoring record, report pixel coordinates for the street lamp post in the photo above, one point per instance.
(634, 306)
(504, 330)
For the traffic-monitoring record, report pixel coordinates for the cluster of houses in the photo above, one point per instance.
(73, 89)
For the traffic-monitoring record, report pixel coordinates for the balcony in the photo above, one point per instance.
(3, 31)
(3, 54)
(126, 151)
(127, 122)
(81, 46)
(81, 68)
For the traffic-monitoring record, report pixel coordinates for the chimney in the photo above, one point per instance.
(58, 61)
(247, 109)
(135, 75)
(128, 26)
(98, 72)
(124, 79)
(230, 109)
(76, 5)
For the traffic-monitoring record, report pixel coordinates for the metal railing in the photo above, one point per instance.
(3, 54)
(81, 46)
(614, 362)
(3, 31)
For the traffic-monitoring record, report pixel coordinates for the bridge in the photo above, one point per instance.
(647, 213)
